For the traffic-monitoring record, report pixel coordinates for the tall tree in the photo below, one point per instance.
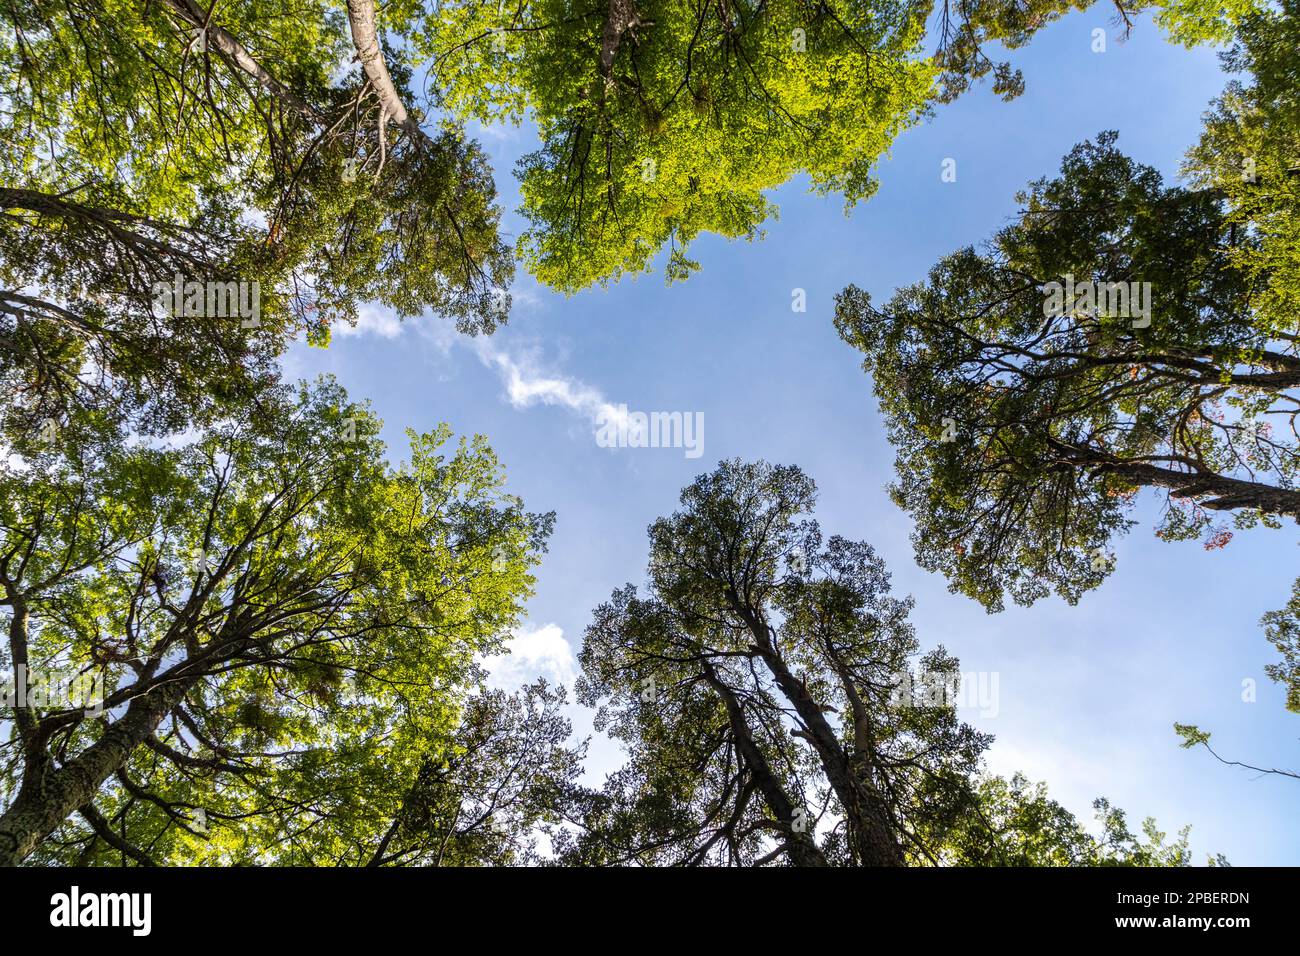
(753, 690)
(1024, 429)
(1024, 426)
(774, 709)
(284, 626)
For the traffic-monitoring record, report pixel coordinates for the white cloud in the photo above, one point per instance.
(534, 652)
(372, 320)
(527, 386)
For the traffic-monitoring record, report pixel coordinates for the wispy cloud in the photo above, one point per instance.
(372, 319)
(526, 386)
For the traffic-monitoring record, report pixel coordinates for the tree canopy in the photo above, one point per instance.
(1015, 823)
(659, 121)
(1023, 430)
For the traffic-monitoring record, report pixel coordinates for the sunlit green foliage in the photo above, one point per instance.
(286, 624)
(660, 121)
(1015, 823)
(1250, 153)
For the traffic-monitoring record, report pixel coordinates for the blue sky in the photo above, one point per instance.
(1087, 695)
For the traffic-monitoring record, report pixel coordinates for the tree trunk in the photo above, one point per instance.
(365, 37)
(622, 16)
(802, 849)
(871, 831)
(49, 795)
(234, 53)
